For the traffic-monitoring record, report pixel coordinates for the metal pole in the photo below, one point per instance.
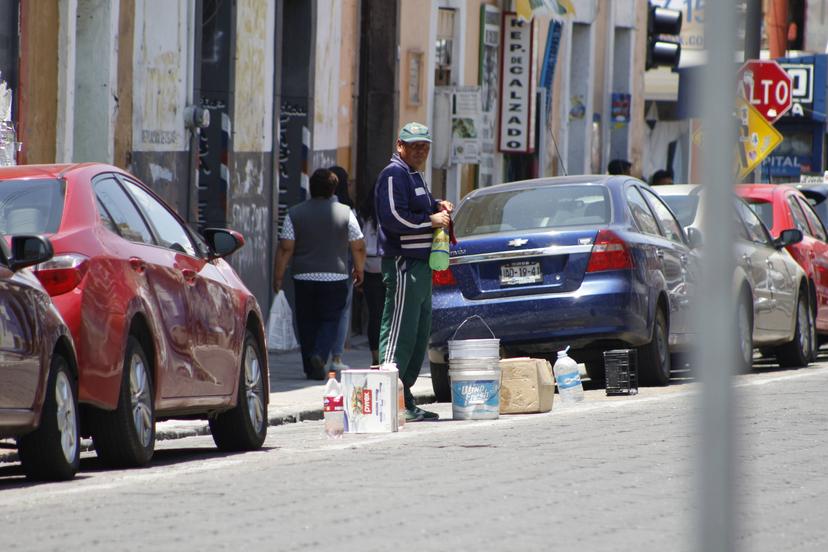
(753, 29)
(716, 353)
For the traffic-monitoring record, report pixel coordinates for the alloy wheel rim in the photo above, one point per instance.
(67, 420)
(744, 334)
(804, 329)
(141, 400)
(253, 388)
(661, 344)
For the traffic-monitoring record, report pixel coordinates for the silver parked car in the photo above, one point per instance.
(773, 310)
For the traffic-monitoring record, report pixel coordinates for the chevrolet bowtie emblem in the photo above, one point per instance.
(517, 242)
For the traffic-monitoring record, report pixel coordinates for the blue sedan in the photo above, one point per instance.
(590, 262)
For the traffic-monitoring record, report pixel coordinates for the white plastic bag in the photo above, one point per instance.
(280, 336)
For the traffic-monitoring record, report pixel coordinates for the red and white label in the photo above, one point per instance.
(367, 401)
(333, 404)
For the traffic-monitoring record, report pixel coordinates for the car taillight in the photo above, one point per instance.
(609, 252)
(443, 278)
(62, 273)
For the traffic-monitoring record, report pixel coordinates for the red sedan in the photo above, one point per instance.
(781, 206)
(163, 326)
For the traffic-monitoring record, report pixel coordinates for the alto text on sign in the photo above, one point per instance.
(766, 86)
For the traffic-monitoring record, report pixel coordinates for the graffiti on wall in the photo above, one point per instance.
(254, 76)
(292, 157)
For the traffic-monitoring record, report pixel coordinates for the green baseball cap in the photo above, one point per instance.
(415, 132)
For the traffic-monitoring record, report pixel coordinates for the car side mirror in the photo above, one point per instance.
(28, 250)
(222, 242)
(788, 237)
(694, 237)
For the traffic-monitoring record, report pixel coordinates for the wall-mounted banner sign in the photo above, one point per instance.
(517, 119)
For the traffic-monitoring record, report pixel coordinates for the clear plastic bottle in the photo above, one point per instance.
(400, 403)
(400, 393)
(568, 378)
(333, 407)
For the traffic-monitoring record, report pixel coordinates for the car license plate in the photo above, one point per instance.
(520, 273)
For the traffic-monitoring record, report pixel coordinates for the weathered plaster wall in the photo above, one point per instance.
(96, 71)
(326, 90)
(39, 35)
(348, 75)
(159, 78)
(252, 185)
(415, 36)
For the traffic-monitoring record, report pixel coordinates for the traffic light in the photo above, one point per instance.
(663, 51)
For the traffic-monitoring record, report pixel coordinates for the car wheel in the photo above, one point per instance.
(798, 352)
(440, 382)
(655, 356)
(52, 452)
(596, 372)
(126, 436)
(244, 427)
(744, 335)
(814, 338)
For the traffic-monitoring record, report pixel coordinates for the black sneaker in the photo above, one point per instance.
(411, 415)
(317, 368)
(426, 416)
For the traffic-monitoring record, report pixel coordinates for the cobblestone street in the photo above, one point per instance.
(607, 474)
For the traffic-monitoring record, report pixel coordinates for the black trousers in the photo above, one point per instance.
(319, 307)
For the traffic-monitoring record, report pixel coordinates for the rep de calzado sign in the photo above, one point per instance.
(517, 121)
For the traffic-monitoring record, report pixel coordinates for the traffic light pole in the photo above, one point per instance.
(753, 29)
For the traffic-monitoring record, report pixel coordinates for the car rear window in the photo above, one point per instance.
(684, 207)
(538, 208)
(31, 206)
(763, 209)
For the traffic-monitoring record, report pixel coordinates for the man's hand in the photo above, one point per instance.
(440, 220)
(359, 276)
(446, 206)
(277, 284)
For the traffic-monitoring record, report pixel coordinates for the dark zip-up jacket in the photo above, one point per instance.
(403, 206)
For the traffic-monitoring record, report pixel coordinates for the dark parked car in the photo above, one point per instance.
(591, 262)
(38, 372)
(164, 327)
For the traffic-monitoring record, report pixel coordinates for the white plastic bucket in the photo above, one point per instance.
(475, 394)
(492, 363)
(473, 348)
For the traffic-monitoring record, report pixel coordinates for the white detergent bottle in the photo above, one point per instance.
(568, 379)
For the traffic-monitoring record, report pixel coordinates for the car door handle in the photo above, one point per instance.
(138, 265)
(189, 275)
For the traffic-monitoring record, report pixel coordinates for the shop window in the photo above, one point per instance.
(444, 46)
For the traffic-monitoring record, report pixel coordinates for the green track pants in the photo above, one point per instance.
(406, 318)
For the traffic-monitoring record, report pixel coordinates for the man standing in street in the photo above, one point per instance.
(317, 234)
(407, 214)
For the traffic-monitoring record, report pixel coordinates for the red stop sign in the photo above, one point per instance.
(766, 86)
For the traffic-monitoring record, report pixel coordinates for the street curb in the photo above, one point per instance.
(311, 414)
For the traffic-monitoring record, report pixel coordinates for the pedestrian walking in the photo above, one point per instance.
(373, 288)
(343, 332)
(317, 235)
(407, 214)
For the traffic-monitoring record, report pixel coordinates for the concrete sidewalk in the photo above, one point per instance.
(293, 397)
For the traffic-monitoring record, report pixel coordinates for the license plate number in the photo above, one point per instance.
(520, 273)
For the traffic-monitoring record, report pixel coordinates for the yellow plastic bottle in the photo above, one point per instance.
(439, 257)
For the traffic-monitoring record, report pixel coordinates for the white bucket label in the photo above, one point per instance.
(476, 392)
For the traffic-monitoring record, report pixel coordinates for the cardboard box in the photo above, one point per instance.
(526, 385)
(370, 400)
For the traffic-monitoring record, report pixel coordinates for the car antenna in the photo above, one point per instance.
(558, 152)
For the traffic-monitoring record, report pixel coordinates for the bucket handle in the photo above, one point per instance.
(454, 335)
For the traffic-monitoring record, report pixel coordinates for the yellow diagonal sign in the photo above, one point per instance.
(757, 137)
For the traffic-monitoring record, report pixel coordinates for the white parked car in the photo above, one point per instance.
(772, 310)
